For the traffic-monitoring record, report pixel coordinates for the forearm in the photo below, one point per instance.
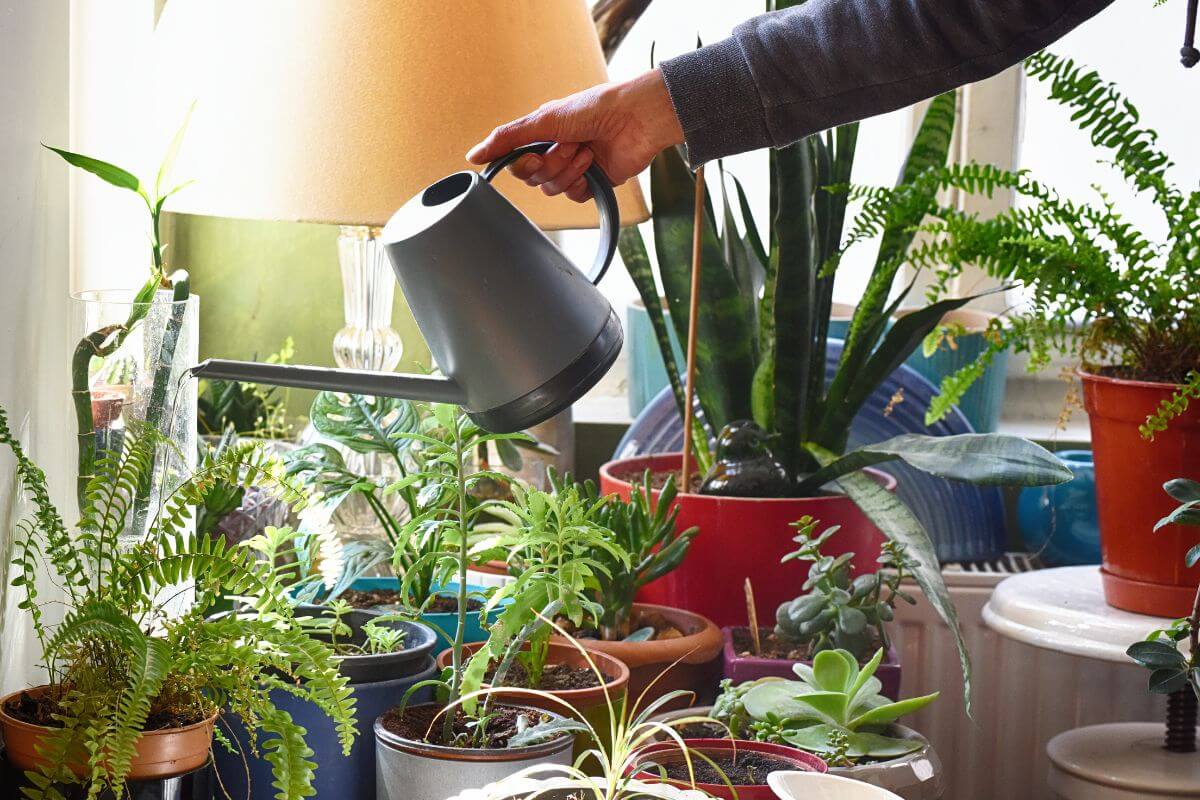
(785, 75)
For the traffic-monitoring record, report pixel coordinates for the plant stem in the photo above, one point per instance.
(456, 652)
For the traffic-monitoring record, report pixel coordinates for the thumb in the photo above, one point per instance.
(535, 127)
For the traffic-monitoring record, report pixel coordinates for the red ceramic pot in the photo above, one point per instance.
(744, 537)
(1143, 570)
(742, 668)
(664, 753)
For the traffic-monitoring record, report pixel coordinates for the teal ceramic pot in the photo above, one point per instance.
(1058, 523)
(444, 624)
(647, 373)
(982, 403)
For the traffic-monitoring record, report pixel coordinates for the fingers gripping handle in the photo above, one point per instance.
(602, 191)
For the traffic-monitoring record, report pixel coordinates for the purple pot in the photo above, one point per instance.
(740, 669)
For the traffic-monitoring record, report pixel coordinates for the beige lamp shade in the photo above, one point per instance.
(338, 111)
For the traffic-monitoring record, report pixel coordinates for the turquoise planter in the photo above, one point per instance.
(1059, 523)
(983, 402)
(444, 624)
(647, 373)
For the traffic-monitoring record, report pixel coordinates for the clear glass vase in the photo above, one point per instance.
(128, 376)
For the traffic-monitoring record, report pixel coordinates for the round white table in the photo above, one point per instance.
(1063, 609)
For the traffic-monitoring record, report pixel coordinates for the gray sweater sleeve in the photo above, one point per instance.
(790, 73)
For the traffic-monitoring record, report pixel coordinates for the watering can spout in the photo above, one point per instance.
(428, 388)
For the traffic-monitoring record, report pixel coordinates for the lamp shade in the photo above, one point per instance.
(338, 111)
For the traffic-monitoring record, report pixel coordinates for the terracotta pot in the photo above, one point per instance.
(591, 703)
(159, 754)
(739, 668)
(1143, 570)
(694, 656)
(669, 753)
(744, 537)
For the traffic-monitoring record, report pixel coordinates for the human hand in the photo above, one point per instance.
(621, 126)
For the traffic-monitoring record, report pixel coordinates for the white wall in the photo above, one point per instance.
(34, 347)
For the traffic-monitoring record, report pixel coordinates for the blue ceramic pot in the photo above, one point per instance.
(1058, 523)
(981, 404)
(444, 624)
(336, 775)
(647, 373)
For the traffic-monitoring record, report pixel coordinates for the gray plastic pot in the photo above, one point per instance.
(410, 770)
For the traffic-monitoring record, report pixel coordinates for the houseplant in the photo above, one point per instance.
(420, 748)
(646, 638)
(742, 375)
(835, 710)
(1113, 297)
(249, 409)
(563, 552)
(138, 676)
(149, 363)
(379, 656)
(836, 610)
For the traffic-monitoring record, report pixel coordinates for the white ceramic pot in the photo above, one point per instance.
(916, 776)
(411, 770)
(819, 786)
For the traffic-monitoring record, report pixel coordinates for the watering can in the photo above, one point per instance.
(518, 332)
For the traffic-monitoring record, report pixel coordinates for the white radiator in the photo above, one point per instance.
(1021, 695)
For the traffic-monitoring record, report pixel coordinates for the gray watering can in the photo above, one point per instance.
(518, 332)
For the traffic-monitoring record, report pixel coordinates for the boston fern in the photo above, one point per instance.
(130, 650)
(1099, 289)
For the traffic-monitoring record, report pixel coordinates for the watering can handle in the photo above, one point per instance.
(602, 191)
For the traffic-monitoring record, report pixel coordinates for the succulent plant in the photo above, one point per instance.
(835, 707)
(837, 609)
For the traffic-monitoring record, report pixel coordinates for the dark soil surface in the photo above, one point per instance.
(555, 677)
(41, 710)
(419, 721)
(772, 645)
(749, 769)
(663, 629)
(659, 479)
(702, 730)
(370, 598)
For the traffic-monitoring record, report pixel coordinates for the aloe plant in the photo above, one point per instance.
(833, 699)
(761, 339)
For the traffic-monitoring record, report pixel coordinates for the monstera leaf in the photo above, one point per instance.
(365, 424)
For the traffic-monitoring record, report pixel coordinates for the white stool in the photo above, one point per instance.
(1120, 761)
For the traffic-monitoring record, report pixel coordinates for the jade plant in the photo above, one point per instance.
(651, 546)
(1172, 670)
(834, 707)
(837, 609)
(761, 341)
(96, 346)
(1118, 299)
(131, 653)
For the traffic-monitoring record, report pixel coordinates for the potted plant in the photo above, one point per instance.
(835, 710)
(421, 748)
(1118, 300)
(138, 676)
(395, 429)
(381, 657)
(647, 638)
(562, 551)
(797, 452)
(836, 610)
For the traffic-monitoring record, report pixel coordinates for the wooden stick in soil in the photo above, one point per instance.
(752, 618)
(685, 483)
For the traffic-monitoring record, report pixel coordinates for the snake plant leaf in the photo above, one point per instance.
(899, 524)
(753, 239)
(886, 714)
(815, 739)
(109, 173)
(794, 257)
(748, 271)
(985, 459)
(365, 424)
(725, 339)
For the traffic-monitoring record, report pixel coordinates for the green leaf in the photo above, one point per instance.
(510, 456)
(101, 169)
(364, 424)
(164, 169)
(897, 522)
(1183, 490)
(1186, 514)
(1155, 654)
(1167, 680)
(834, 670)
(830, 706)
(725, 341)
(886, 714)
(778, 697)
(1193, 556)
(985, 459)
